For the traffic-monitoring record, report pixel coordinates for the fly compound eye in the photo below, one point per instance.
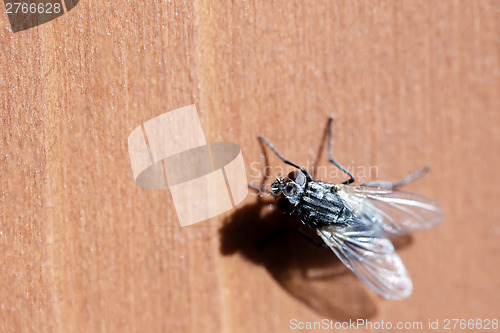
(285, 205)
(298, 177)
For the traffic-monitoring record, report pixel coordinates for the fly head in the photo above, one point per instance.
(288, 190)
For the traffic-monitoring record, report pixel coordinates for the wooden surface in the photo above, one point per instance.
(83, 249)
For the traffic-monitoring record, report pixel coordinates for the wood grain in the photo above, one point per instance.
(83, 249)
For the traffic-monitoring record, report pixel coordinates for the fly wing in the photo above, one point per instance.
(363, 248)
(397, 212)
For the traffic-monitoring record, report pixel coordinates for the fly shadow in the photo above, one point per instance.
(314, 275)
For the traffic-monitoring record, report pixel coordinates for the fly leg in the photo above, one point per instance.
(308, 176)
(330, 156)
(399, 183)
(260, 188)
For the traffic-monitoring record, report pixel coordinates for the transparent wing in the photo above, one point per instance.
(363, 248)
(397, 212)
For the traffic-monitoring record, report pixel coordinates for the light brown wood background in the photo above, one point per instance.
(83, 249)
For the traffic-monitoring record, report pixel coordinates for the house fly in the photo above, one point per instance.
(357, 221)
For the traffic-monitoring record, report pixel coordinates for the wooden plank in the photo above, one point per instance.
(83, 248)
